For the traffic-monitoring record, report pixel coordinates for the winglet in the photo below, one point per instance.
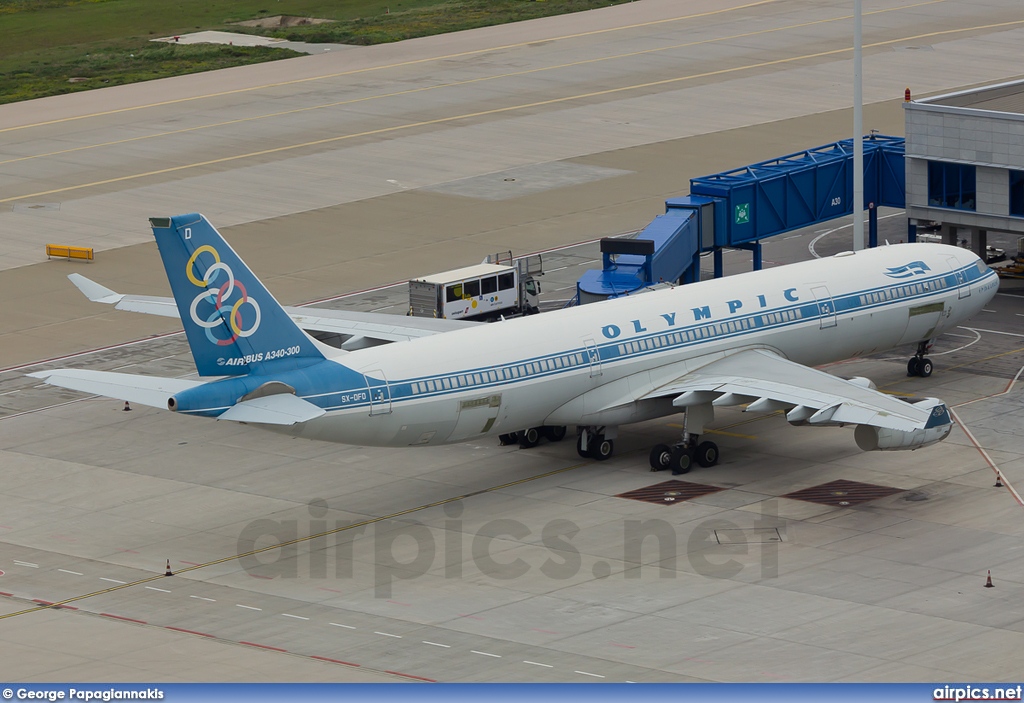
(94, 291)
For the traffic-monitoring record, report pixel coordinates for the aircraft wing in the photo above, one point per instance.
(766, 381)
(144, 390)
(358, 327)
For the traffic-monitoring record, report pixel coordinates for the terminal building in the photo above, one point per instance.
(965, 163)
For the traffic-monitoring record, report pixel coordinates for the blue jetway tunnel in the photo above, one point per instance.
(739, 208)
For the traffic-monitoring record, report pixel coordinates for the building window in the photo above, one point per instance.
(1017, 193)
(951, 185)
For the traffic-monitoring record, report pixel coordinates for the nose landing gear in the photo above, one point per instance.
(919, 364)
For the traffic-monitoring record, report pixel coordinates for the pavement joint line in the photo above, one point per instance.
(121, 617)
(400, 64)
(262, 646)
(410, 676)
(333, 661)
(190, 632)
(455, 84)
(500, 110)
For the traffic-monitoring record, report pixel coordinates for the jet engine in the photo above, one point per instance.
(938, 427)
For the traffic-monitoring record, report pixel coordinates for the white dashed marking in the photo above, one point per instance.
(587, 673)
(26, 563)
(388, 634)
(211, 600)
(347, 627)
(104, 578)
(485, 654)
(297, 617)
(247, 607)
(437, 644)
(154, 588)
(546, 666)
(75, 573)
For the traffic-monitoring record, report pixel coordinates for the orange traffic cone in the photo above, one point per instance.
(126, 406)
(168, 572)
(988, 581)
(999, 481)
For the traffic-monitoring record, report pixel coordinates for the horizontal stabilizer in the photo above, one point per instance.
(278, 409)
(153, 391)
(93, 290)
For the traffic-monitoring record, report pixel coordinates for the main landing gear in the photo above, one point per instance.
(681, 456)
(919, 364)
(596, 442)
(529, 438)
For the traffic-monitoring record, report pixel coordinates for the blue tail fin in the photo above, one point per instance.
(232, 322)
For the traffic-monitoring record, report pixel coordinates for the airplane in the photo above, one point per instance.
(751, 339)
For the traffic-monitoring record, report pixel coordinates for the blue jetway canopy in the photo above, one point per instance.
(802, 189)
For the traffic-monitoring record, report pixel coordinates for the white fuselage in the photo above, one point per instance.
(587, 365)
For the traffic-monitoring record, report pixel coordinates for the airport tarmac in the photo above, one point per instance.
(476, 562)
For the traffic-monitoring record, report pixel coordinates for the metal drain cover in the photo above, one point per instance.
(843, 493)
(670, 492)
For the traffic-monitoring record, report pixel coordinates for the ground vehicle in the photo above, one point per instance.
(486, 291)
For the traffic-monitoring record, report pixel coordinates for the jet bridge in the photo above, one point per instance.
(741, 207)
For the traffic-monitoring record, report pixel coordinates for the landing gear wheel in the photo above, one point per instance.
(925, 368)
(554, 433)
(661, 457)
(707, 454)
(681, 460)
(529, 438)
(601, 448)
(507, 439)
(914, 366)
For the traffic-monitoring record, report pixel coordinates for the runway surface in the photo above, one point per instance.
(334, 174)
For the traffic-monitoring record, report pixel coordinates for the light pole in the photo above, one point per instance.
(858, 132)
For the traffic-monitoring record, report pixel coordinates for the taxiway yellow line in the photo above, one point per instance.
(500, 110)
(400, 64)
(455, 84)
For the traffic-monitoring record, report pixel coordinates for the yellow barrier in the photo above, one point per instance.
(69, 252)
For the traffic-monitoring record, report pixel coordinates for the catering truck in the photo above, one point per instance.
(485, 292)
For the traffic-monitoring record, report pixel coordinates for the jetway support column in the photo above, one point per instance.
(755, 248)
(872, 225)
(911, 231)
(719, 263)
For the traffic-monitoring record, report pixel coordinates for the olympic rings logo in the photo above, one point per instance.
(218, 297)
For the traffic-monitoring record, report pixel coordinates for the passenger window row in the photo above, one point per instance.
(505, 373)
